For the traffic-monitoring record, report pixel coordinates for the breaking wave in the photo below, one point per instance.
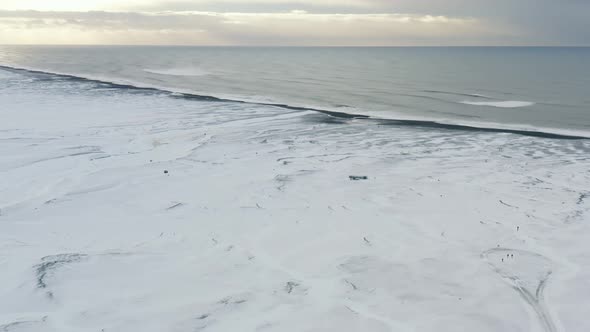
(414, 122)
(178, 71)
(500, 104)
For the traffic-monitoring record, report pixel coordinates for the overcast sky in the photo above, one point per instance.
(296, 22)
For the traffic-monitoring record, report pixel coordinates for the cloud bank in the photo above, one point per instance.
(296, 22)
(296, 27)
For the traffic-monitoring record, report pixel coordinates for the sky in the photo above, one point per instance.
(297, 22)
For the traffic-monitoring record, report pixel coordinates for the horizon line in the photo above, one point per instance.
(314, 46)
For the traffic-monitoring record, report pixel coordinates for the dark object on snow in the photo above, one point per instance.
(357, 178)
(165, 172)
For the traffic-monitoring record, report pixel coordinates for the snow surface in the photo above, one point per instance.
(258, 227)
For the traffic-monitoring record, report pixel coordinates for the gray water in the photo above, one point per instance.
(551, 85)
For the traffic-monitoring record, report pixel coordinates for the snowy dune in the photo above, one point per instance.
(257, 226)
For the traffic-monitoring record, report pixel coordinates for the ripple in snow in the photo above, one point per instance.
(527, 273)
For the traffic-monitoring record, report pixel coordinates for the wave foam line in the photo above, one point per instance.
(344, 115)
(177, 72)
(500, 104)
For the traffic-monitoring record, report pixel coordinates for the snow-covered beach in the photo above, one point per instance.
(133, 210)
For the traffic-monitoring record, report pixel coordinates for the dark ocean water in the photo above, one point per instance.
(538, 89)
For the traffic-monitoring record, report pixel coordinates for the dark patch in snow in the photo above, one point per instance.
(290, 286)
(582, 197)
(22, 324)
(506, 204)
(175, 206)
(229, 300)
(358, 177)
(354, 287)
(51, 263)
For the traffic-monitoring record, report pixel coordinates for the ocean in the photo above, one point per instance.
(294, 189)
(531, 88)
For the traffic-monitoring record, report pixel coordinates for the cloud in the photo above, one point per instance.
(297, 22)
(179, 5)
(563, 19)
(296, 27)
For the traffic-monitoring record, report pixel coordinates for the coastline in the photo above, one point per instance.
(257, 224)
